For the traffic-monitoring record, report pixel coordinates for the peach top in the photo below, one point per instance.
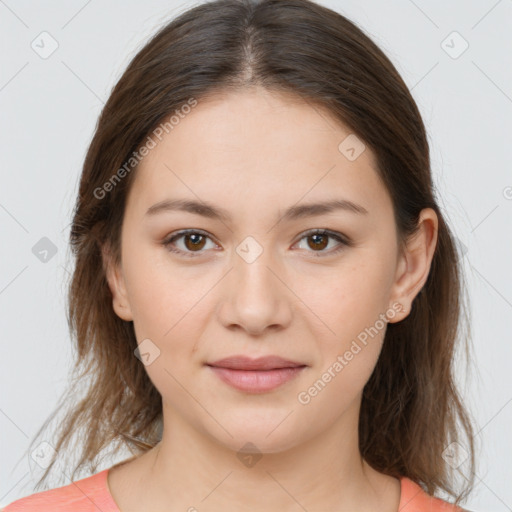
(91, 494)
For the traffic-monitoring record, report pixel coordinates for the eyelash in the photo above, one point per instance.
(188, 254)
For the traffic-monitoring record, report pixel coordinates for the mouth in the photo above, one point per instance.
(256, 375)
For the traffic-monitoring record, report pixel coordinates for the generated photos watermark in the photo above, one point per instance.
(151, 142)
(305, 397)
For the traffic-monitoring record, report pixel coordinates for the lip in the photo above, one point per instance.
(260, 363)
(256, 375)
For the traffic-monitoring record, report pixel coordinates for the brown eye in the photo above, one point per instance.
(318, 240)
(193, 242)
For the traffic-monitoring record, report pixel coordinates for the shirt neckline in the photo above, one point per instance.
(102, 477)
(409, 490)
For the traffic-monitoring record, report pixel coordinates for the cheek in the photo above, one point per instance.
(338, 388)
(167, 314)
(348, 298)
(160, 295)
(348, 357)
(169, 307)
(352, 307)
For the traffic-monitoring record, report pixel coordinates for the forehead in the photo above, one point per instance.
(254, 149)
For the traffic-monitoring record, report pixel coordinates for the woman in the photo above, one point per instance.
(266, 296)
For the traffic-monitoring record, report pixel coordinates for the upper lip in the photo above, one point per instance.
(260, 363)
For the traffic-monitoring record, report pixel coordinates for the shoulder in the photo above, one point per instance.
(414, 499)
(89, 494)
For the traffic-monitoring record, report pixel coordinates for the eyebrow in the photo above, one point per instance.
(211, 211)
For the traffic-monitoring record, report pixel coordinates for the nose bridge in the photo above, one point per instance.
(256, 298)
(252, 263)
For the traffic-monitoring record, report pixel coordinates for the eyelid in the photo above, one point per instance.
(342, 239)
(323, 231)
(178, 234)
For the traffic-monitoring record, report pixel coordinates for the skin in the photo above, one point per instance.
(255, 153)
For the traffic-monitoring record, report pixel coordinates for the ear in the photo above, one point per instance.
(414, 263)
(116, 283)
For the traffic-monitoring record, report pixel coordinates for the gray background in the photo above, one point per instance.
(49, 107)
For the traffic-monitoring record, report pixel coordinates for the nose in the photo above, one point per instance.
(256, 296)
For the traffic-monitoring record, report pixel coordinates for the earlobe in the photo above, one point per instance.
(415, 262)
(115, 280)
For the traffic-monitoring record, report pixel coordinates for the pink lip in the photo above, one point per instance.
(256, 375)
(256, 381)
(260, 363)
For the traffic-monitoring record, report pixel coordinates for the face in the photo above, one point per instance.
(262, 272)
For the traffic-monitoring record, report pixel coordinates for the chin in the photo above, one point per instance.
(255, 442)
(272, 435)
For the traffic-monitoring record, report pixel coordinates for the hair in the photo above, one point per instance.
(411, 409)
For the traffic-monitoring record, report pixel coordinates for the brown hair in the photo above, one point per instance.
(411, 408)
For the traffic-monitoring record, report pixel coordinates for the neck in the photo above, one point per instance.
(189, 470)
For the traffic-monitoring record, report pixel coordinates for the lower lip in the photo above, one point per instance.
(256, 381)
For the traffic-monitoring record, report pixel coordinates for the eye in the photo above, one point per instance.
(319, 240)
(195, 240)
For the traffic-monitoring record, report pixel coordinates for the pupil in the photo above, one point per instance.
(318, 243)
(195, 239)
